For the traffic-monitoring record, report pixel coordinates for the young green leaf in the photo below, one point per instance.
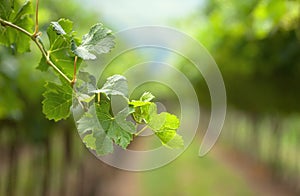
(157, 121)
(58, 100)
(170, 139)
(20, 15)
(164, 124)
(164, 121)
(144, 109)
(99, 40)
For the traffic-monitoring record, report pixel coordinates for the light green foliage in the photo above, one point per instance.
(170, 139)
(19, 14)
(144, 109)
(58, 100)
(164, 124)
(99, 40)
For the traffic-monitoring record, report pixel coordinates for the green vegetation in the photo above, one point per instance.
(255, 43)
(65, 54)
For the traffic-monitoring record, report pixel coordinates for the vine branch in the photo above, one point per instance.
(36, 40)
(6, 23)
(74, 74)
(36, 29)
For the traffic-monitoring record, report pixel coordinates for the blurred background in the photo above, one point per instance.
(256, 46)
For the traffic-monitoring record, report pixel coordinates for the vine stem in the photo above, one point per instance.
(6, 23)
(35, 39)
(74, 74)
(143, 129)
(36, 29)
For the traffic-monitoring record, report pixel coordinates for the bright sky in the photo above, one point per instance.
(129, 13)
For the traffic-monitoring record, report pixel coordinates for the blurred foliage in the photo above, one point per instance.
(256, 46)
(21, 85)
(29, 143)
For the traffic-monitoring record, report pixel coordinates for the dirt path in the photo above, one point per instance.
(258, 177)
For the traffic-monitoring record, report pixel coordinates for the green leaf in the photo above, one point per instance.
(60, 32)
(99, 142)
(99, 123)
(120, 119)
(135, 103)
(143, 111)
(60, 36)
(57, 100)
(164, 121)
(95, 137)
(176, 142)
(147, 97)
(115, 85)
(6, 8)
(104, 144)
(99, 40)
(43, 65)
(20, 15)
(89, 141)
(57, 27)
(170, 139)
(157, 121)
(117, 128)
(164, 124)
(88, 122)
(85, 83)
(171, 121)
